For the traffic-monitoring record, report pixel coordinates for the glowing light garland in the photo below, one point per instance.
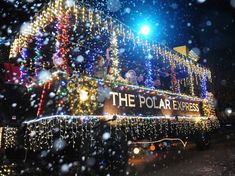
(204, 93)
(211, 103)
(149, 77)
(46, 86)
(174, 81)
(114, 55)
(9, 136)
(90, 65)
(38, 50)
(57, 8)
(86, 98)
(191, 85)
(178, 86)
(23, 73)
(73, 129)
(62, 94)
(206, 108)
(60, 57)
(7, 169)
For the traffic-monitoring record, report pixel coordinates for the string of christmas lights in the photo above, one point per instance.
(82, 99)
(60, 59)
(149, 76)
(114, 55)
(174, 81)
(40, 107)
(23, 63)
(57, 8)
(62, 93)
(191, 85)
(204, 93)
(38, 51)
(9, 137)
(211, 103)
(39, 134)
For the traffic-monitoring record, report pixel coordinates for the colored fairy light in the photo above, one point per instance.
(45, 87)
(62, 93)
(114, 56)
(23, 71)
(60, 59)
(149, 76)
(204, 92)
(191, 85)
(90, 64)
(174, 79)
(38, 51)
(178, 86)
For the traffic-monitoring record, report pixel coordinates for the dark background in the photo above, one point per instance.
(207, 26)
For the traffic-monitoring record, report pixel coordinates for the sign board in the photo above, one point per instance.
(139, 102)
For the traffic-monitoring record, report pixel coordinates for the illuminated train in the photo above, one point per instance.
(145, 92)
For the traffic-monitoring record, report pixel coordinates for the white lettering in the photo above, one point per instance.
(175, 105)
(131, 100)
(179, 105)
(155, 101)
(162, 104)
(142, 100)
(147, 100)
(187, 107)
(197, 108)
(114, 100)
(183, 105)
(168, 104)
(122, 99)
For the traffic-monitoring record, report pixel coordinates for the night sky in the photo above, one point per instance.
(207, 25)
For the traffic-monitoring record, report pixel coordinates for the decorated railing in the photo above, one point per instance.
(61, 21)
(78, 130)
(82, 95)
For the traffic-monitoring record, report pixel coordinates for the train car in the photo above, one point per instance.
(97, 87)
